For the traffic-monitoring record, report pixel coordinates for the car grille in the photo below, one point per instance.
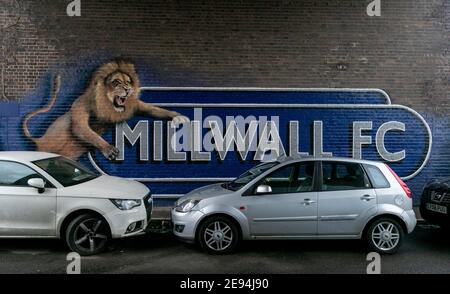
(148, 203)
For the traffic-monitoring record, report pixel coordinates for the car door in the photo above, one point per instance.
(290, 209)
(24, 211)
(346, 198)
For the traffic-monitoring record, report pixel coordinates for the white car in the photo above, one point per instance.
(45, 195)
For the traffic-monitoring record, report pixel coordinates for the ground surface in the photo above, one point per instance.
(427, 250)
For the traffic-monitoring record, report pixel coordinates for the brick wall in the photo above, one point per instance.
(247, 43)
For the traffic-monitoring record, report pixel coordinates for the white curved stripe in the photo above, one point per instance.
(181, 180)
(166, 196)
(253, 105)
(252, 89)
(95, 165)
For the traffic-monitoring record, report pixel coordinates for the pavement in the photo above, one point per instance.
(426, 250)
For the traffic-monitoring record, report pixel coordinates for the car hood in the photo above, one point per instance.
(209, 191)
(106, 187)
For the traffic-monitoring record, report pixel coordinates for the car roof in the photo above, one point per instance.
(25, 156)
(284, 159)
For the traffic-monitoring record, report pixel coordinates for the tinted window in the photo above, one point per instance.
(377, 177)
(15, 174)
(66, 171)
(291, 178)
(305, 177)
(343, 176)
(280, 180)
(248, 176)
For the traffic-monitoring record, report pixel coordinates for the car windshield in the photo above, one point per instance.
(67, 172)
(248, 176)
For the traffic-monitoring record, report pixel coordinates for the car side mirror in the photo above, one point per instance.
(37, 183)
(263, 189)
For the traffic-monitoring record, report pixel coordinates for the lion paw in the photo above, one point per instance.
(180, 119)
(110, 152)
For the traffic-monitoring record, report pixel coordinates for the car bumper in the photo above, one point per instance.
(121, 220)
(435, 217)
(185, 224)
(409, 217)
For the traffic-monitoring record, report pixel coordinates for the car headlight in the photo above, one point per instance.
(126, 204)
(187, 205)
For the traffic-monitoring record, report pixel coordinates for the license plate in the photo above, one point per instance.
(437, 208)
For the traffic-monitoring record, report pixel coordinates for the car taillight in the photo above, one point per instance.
(400, 181)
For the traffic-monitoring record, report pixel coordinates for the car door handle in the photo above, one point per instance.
(367, 197)
(308, 202)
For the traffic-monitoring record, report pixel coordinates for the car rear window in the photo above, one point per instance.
(377, 177)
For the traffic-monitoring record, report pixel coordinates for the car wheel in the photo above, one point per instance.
(385, 236)
(218, 235)
(88, 234)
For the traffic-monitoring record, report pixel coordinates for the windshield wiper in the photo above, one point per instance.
(230, 186)
(225, 185)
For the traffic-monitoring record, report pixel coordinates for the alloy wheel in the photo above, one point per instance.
(218, 236)
(91, 234)
(385, 236)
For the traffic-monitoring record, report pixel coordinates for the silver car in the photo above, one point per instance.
(309, 198)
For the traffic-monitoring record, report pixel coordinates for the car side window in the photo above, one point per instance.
(343, 176)
(305, 177)
(293, 178)
(377, 177)
(15, 174)
(280, 180)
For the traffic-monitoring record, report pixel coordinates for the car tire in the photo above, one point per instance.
(218, 235)
(385, 235)
(88, 234)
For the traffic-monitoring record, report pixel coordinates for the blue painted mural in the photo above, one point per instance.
(343, 122)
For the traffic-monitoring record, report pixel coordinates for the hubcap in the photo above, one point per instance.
(218, 236)
(385, 236)
(91, 234)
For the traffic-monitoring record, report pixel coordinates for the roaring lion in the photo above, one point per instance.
(112, 97)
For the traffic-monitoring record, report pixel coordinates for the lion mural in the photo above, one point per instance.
(112, 97)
